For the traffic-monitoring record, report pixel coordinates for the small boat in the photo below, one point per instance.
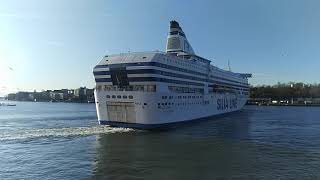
(6, 104)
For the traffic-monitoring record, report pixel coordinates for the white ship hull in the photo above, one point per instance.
(137, 114)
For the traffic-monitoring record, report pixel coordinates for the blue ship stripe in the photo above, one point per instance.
(157, 64)
(103, 80)
(101, 73)
(100, 66)
(157, 79)
(154, 71)
(152, 79)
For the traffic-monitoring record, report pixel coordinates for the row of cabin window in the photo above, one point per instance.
(144, 57)
(223, 73)
(179, 89)
(181, 97)
(231, 91)
(202, 68)
(185, 64)
(147, 88)
(119, 97)
(182, 104)
(232, 79)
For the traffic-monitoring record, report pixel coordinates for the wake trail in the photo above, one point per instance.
(60, 132)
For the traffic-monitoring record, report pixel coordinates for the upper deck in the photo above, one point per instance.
(193, 63)
(165, 71)
(177, 68)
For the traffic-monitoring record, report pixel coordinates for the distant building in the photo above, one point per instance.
(81, 94)
(90, 95)
(11, 97)
(24, 96)
(71, 92)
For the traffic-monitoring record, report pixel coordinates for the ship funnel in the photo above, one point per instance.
(177, 40)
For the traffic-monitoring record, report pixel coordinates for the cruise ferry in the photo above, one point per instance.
(154, 89)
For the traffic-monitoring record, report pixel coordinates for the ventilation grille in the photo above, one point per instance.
(173, 43)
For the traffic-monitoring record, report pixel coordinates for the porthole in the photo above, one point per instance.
(119, 97)
(130, 97)
(108, 96)
(124, 97)
(113, 96)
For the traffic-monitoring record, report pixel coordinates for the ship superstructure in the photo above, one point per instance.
(152, 89)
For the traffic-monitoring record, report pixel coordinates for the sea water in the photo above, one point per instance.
(64, 141)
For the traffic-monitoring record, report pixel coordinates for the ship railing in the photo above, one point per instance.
(133, 53)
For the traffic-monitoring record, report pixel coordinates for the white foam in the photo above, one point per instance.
(60, 132)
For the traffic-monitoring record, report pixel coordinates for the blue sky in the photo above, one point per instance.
(55, 44)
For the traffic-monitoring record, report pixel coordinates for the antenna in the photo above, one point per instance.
(229, 65)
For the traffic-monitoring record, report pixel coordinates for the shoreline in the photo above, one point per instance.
(247, 104)
(77, 102)
(297, 105)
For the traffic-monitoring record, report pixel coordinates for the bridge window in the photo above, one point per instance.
(174, 33)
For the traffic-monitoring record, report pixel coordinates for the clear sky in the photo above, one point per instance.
(55, 44)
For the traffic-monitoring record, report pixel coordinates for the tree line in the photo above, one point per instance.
(289, 90)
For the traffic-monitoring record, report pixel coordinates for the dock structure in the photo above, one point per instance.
(284, 102)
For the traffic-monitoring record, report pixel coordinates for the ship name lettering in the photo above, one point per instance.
(226, 103)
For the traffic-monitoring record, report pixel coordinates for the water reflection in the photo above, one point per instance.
(210, 148)
(231, 126)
